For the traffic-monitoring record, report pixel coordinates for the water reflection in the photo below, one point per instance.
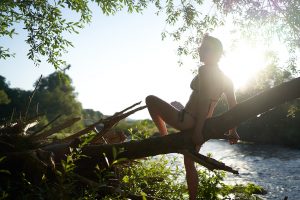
(276, 168)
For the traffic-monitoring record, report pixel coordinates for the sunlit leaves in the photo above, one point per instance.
(187, 22)
(5, 53)
(110, 7)
(45, 25)
(154, 177)
(262, 14)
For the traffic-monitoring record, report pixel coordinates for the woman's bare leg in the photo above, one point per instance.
(160, 124)
(191, 176)
(161, 112)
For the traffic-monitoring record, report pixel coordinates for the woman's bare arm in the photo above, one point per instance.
(229, 93)
(231, 100)
(202, 111)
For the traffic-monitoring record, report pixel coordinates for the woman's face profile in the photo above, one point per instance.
(208, 53)
(205, 52)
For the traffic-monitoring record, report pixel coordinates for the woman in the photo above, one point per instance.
(208, 86)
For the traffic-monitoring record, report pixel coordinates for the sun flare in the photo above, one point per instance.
(242, 63)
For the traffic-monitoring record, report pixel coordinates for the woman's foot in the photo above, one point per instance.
(232, 136)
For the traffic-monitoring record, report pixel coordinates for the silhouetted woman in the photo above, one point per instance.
(208, 86)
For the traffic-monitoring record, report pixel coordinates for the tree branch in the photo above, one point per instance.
(175, 143)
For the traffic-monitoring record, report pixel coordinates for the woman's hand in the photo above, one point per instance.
(233, 136)
(177, 105)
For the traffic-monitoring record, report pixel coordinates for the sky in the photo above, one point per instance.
(119, 60)
(116, 61)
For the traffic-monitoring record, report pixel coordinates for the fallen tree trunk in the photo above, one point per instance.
(174, 143)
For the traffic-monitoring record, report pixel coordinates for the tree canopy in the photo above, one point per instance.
(46, 23)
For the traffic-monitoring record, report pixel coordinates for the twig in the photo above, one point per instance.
(122, 111)
(110, 123)
(53, 120)
(60, 127)
(82, 132)
(208, 162)
(12, 115)
(31, 96)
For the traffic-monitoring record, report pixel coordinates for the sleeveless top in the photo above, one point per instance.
(214, 75)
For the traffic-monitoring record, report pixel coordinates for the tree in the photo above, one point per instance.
(55, 96)
(90, 116)
(46, 23)
(16, 105)
(3, 97)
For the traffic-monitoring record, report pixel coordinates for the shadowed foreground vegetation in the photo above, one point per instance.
(160, 177)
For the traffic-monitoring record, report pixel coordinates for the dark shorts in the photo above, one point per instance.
(182, 113)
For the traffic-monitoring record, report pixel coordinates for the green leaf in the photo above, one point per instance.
(125, 179)
(119, 160)
(114, 151)
(143, 194)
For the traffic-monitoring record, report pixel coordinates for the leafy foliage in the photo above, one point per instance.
(46, 22)
(17, 103)
(154, 178)
(280, 17)
(91, 116)
(212, 187)
(54, 96)
(162, 178)
(158, 177)
(3, 97)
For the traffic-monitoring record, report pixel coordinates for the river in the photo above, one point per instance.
(275, 168)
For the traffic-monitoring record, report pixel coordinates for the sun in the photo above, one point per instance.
(242, 63)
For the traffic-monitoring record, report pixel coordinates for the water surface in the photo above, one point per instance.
(275, 168)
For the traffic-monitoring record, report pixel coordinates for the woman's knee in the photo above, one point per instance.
(150, 99)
